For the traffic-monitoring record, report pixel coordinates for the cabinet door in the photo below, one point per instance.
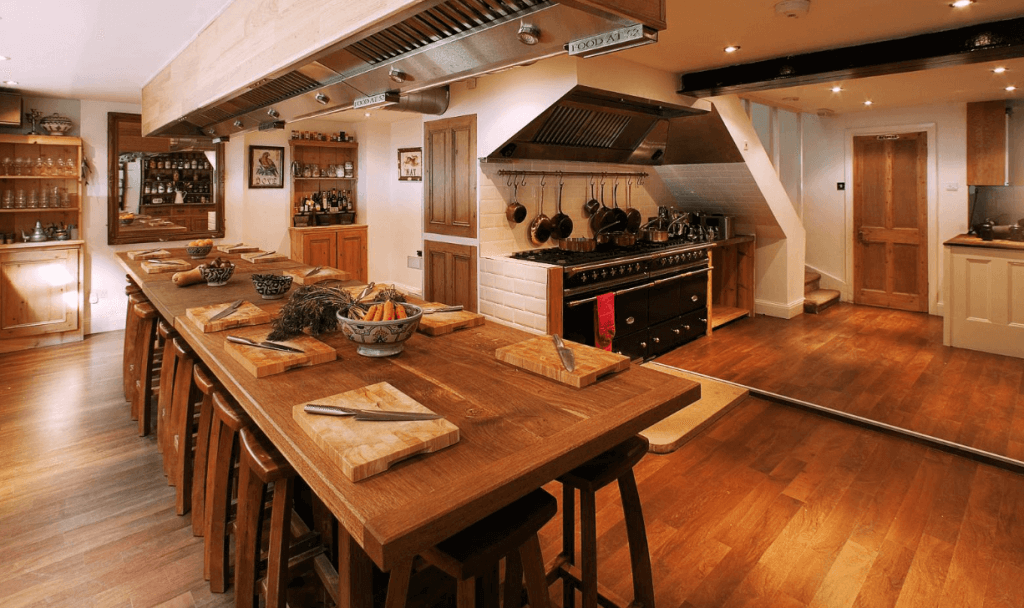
(38, 292)
(986, 143)
(449, 179)
(450, 274)
(352, 253)
(320, 249)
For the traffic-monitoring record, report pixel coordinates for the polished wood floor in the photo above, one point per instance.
(770, 506)
(881, 364)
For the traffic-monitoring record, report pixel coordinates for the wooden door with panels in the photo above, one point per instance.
(39, 292)
(890, 215)
(449, 176)
(449, 274)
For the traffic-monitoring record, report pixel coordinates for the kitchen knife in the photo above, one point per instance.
(263, 255)
(443, 309)
(229, 309)
(367, 415)
(564, 353)
(266, 345)
(314, 271)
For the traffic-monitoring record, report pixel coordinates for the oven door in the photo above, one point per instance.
(579, 316)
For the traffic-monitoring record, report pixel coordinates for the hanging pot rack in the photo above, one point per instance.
(639, 176)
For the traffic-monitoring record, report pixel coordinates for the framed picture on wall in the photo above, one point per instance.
(266, 167)
(410, 164)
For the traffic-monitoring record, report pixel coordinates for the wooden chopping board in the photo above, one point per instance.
(261, 257)
(237, 248)
(168, 265)
(539, 356)
(326, 274)
(247, 314)
(439, 324)
(261, 362)
(149, 254)
(363, 448)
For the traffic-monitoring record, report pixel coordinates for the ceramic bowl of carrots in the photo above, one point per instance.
(384, 328)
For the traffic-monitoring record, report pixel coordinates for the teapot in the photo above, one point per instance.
(38, 234)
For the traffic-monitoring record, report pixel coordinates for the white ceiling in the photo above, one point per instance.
(107, 49)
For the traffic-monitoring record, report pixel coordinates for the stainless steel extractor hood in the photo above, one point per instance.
(593, 125)
(450, 41)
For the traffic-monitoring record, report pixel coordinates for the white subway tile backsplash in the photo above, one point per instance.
(507, 284)
(531, 288)
(530, 321)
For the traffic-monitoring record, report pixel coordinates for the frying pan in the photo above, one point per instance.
(590, 207)
(602, 217)
(633, 217)
(561, 224)
(540, 228)
(618, 215)
(515, 212)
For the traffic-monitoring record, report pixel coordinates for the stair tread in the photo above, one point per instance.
(811, 276)
(821, 296)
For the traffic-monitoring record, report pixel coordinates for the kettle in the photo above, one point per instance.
(38, 234)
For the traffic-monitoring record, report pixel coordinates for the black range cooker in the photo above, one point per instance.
(661, 293)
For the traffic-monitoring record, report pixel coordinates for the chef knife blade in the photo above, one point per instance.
(266, 345)
(564, 353)
(282, 347)
(263, 255)
(455, 308)
(314, 271)
(229, 309)
(368, 415)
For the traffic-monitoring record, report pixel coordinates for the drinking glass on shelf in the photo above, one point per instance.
(69, 168)
(5, 166)
(65, 198)
(40, 167)
(51, 169)
(8, 200)
(17, 166)
(33, 199)
(19, 199)
(44, 199)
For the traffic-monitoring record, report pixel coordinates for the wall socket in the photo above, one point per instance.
(414, 262)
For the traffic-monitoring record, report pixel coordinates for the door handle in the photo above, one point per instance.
(860, 235)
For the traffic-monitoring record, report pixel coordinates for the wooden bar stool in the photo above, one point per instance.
(228, 420)
(207, 384)
(263, 470)
(614, 465)
(143, 366)
(182, 425)
(163, 408)
(131, 326)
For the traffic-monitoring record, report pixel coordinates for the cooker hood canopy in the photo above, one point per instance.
(599, 126)
(410, 60)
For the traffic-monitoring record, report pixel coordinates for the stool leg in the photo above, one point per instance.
(588, 548)
(280, 540)
(247, 537)
(183, 414)
(163, 407)
(533, 568)
(636, 534)
(513, 593)
(143, 380)
(211, 495)
(216, 544)
(200, 466)
(398, 585)
(568, 542)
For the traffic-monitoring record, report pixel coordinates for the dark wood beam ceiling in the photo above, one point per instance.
(999, 40)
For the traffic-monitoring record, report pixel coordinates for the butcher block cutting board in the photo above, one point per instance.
(263, 362)
(149, 254)
(263, 257)
(365, 448)
(246, 314)
(168, 265)
(324, 274)
(539, 356)
(237, 248)
(441, 323)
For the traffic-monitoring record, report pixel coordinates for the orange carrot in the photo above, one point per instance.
(389, 311)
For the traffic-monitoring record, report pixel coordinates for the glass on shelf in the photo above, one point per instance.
(44, 199)
(65, 198)
(17, 166)
(69, 168)
(5, 166)
(33, 199)
(39, 168)
(50, 167)
(8, 200)
(19, 199)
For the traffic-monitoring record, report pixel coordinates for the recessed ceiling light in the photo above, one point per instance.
(961, 3)
(731, 49)
(11, 82)
(999, 70)
(4, 58)
(367, 115)
(868, 102)
(790, 99)
(1011, 88)
(836, 89)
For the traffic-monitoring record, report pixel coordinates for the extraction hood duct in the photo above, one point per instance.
(450, 41)
(593, 125)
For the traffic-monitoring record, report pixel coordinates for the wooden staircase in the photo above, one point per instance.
(815, 298)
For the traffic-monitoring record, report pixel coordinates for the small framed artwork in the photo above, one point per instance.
(266, 165)
(410, 164)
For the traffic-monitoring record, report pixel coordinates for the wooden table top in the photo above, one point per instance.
(518, 430)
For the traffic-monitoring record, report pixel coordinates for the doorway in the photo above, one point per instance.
(890, 215)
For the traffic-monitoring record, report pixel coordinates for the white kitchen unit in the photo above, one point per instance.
(985, 295)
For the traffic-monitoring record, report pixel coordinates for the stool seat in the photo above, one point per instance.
(607, 467)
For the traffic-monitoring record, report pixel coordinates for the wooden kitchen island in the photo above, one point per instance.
(518, 431)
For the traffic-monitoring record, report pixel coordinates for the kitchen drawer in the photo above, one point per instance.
(633, 346)
(631, 309)
(676, 332)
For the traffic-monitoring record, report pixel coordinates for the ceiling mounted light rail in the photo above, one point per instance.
(615, 40)
(372, 102)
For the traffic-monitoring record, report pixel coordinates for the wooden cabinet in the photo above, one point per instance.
(34, 168)
(40, 295)
(449, 274)
(987, 151)
(449, 176)
(320, 163)
(341, 247)
(732, 280)
(984, 298)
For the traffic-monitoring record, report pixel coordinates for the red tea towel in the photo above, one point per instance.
(605, 320)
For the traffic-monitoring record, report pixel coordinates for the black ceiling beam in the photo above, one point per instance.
(999, 40)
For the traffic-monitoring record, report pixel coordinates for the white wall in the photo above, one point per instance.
(828, 211)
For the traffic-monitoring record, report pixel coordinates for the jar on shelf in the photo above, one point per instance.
(69, 168)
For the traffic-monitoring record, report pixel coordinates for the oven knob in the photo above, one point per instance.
(657, 340)
(694, 297)
(623, 269)
(604, 273)
(583, 277)
(638, 266)
(593, 275)
(611, 272)
(661, 261)
(675, 331)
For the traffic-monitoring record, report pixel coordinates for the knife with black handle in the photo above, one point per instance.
(367, 415)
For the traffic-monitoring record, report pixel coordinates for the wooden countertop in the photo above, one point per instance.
(967, 240)
(328, 227)
(518, 430)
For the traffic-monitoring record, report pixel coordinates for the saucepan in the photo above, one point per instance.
(515, 212)
(652, 232)
(540, 228)
(577, 244)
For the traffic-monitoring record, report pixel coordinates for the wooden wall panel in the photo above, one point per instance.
(986, 143)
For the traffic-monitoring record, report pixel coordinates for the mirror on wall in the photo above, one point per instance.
(161, 188)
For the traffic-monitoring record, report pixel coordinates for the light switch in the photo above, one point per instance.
(952, 186)
(94, 298)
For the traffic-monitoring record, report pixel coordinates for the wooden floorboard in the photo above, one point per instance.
(885, 365)
(769, 507)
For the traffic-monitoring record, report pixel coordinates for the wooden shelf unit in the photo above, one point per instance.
(732, 280)
(47, 147)
(323, 154)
